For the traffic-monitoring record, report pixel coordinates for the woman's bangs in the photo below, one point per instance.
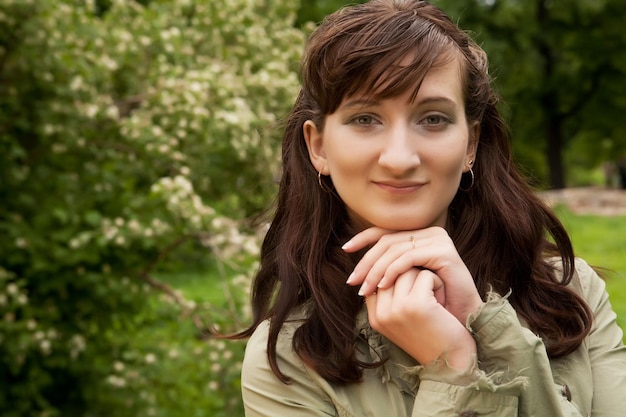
(391, 72)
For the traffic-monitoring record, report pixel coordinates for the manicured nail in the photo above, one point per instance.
(347, 245)
(350, 278)
(362, 291)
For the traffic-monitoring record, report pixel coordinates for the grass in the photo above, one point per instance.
(197, 285)
(601, 241)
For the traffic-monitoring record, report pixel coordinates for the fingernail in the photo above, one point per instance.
(347, 245)
(350, 278)
(362, 290)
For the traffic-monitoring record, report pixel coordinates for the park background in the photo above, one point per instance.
(139, 142)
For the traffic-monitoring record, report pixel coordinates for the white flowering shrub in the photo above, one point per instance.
(132, 135)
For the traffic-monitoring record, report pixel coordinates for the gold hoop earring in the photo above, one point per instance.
(323, 186)
(471, 184)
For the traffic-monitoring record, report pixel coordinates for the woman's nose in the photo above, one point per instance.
(399, 153)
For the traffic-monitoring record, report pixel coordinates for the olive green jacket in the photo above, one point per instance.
(513, 375)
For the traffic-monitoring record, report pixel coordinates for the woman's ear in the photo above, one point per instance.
(315, 144)
(472, 144)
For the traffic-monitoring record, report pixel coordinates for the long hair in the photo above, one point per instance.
(500, 228)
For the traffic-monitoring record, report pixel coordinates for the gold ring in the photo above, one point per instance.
(412, 240)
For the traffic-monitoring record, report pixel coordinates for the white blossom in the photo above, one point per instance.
(76, 83)
(116, 381)
(45, 346)
(12, 289)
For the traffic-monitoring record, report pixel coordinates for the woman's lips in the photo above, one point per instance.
(399, 187)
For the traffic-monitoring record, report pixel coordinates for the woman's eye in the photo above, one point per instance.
(363, 120)
(434, 119)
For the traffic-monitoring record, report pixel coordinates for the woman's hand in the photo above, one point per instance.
(410, 314)
(395, 253)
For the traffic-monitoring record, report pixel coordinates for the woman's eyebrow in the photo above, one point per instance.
(360, 102)
(436, 100)
(365, 102)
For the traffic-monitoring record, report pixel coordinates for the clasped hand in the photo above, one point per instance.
(418, 291)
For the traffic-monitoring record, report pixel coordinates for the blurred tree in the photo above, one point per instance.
(561, 67)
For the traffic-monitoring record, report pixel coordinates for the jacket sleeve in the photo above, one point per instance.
(509, 352)
(512, 376)
(607, 352)
(264, 395)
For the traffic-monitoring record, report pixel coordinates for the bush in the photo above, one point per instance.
(126, 132)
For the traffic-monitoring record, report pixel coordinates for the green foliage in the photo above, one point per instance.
(126, 133)
(169, 369)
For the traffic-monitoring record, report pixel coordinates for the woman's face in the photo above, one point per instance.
(397, 163)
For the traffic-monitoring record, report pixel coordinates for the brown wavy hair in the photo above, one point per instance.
(502, 231)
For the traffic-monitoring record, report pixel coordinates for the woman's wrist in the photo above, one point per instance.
(461, 359)
(463, 354)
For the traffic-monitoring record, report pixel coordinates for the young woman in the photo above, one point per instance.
(409, 270)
